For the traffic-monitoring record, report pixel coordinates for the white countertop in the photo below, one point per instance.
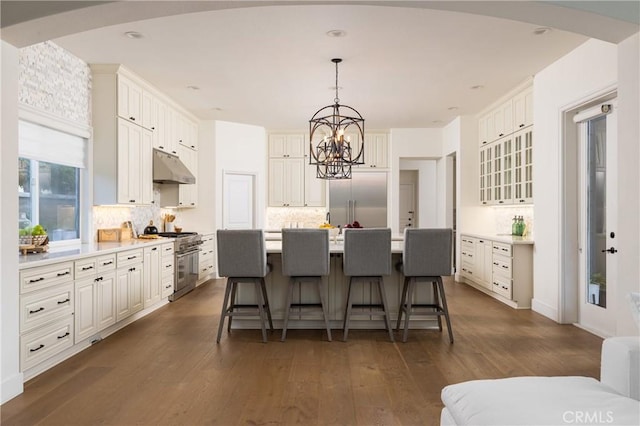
(84, 250)
(275, 247)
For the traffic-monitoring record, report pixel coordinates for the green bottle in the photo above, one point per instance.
(514, 226)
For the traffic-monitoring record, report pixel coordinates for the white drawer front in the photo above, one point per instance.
(106, 263)
(45, 276)
(43, 306)
(167, 265)
(166, 285)
(130, 257)
(85, 267)
(206, 268)
(502, 249)
(502, 266)
(45, 342)
(502, 287)
(167, 249)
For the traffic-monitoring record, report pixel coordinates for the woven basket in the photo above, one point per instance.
(39, 240)
(26, 240)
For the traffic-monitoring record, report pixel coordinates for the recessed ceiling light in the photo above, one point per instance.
(477, 87)
(193, 87)
(452, 108)
(133, 34)
(541, 31)
(336, 33)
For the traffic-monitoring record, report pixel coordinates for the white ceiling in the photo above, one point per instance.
(270, 66)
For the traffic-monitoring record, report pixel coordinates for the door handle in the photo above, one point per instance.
(610, 250)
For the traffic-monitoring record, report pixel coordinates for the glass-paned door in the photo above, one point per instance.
(598, 145)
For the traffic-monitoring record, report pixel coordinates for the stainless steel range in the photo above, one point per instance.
(187, 249)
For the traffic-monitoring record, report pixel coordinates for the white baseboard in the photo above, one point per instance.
(544, 309)
(12, 387)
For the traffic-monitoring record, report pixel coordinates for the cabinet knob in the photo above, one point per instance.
(501, 134)
(522, 125)
(132, 118)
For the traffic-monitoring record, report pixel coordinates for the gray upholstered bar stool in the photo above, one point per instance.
(426, 257)
(242, 258)
(367, 257)
(305, 258)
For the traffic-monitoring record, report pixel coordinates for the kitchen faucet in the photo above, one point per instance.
(328, 218)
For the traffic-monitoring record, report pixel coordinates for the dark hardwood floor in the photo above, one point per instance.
(166, 369)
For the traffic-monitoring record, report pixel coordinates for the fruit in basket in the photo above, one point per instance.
(38, 230)
(327, 226)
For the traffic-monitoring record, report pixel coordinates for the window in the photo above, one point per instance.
(49, 195)
(49, 180)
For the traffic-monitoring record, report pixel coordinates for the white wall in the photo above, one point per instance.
(629, 179)
(411, 144)
(577, 77)
(241, 148)
(9, 325)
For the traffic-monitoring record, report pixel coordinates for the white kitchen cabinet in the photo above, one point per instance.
(186, 131)
(134, 165)
(503, 120)
(95, 307)
(503, 270)
(129, 288)
(167, 276)
(287, 145)
(506, 151)
(523, 109)
(151, 277)
(523, 166)
(129, 99)
(188, 193)
(486, 174)
(207, 257)
(165, 140)
(376, 150)
(46, 312)
(286, 182)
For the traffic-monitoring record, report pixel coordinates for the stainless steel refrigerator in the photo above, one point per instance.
(362, 198)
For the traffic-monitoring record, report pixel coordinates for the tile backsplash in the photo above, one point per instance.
(504, 218)
(301, 217)
(115, 216)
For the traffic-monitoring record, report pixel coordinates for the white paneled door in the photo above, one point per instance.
(238, 200)
(598, 214)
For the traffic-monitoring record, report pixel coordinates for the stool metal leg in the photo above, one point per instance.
(287, 308)
(261, 310)
(325, 313)
(408, 308)
(445, 308)
(223, 314)
(266, 302)
(347, 315)
(383, 298)
(232, 303)
(436, 302)
(402, 302)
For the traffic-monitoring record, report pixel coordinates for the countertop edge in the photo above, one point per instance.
(507, 239)
(73, 253)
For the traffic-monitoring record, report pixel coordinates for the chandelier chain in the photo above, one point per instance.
(337, 99)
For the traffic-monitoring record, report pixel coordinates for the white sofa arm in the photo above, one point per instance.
(620, 365)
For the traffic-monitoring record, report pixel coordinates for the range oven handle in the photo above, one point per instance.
(188, 253)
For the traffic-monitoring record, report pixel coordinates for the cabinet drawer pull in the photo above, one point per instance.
(37, 280)
(505, 266)
(62, 302)
(131, 257)
(521, 126)
(501, 134)
(168, 286)
(496, 263)
(64, 335)
(168, 266)
(86, 268)
(37, 310)
(98, 279)
(107, 263)
(37, 349)
(132, 118)
(132, 201)
(132, 269)
(62, 274)
(154, 249)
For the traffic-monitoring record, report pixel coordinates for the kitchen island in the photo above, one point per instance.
(337, 286)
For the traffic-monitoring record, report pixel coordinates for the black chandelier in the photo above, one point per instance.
(333, 155)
